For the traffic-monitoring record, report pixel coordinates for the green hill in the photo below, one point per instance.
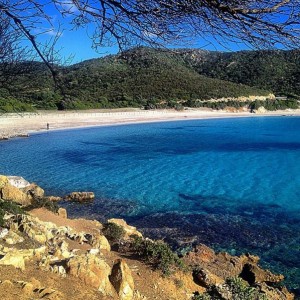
(278, 71)
(152, 78)
(137, 77)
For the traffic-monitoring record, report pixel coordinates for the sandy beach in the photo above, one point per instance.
(24, 124)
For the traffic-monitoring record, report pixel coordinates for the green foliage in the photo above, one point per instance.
(275, 104)
(8, 207)
(274, 70)
(157, 253)
(113, 232)
(154, 78)
(43, 202)
(135, 78)
(237, 287)
(10, 105)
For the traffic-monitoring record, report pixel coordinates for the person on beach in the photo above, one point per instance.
(47, 126)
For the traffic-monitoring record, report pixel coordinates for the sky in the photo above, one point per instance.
(75, 45)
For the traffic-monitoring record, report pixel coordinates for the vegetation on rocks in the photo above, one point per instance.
(78, 249)
(234, 288)
(158, 254)
(113, 232)
(8, 207)
(43, 202)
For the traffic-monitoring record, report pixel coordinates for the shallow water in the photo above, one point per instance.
(231, 183)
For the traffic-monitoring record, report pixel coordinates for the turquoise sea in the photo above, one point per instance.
(231, 183)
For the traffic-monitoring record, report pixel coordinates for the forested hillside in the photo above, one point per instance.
(144, 77)
(278, 71)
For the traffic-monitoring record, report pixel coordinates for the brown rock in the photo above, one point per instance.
(28, 288)
(92, 271)
(11, 193)
(34, 191)
(12, 238)
(62, 212)
(216, 268)
(129, 230)
(3, 181)
(122, 280)
(206, 278)
(276, 293)
(254, 274)
(80, 196)
(53, 198)
(101, 242)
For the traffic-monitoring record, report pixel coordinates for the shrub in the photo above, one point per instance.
(157, 253)
(43, 202)
(237, 287)
(113, 232)
(8, 207)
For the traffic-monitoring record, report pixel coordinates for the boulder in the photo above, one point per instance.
(100, 242)
(129, 230)
(122, 280)
(11, 193)
(53, 198)
(34, 191)
(18, 181)
(18, 257)
(206, 278)
(14, 259)
(3, 181)
(62, 212)
(93, 271)
(80, 196)
(13, 238)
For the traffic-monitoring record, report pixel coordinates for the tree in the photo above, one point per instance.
(259, 23)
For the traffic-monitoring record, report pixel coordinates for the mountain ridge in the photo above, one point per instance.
(144, 76)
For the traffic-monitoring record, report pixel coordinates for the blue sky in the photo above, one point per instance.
(76, 43)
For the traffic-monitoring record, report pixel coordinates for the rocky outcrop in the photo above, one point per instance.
(62, 212)
(18, 257)
(53, 198)
(122, 280)
(10, 193)
(13, 238)
(80, 196)
(31, 289)
(129, 230)
(93, 271)
(33, 191)
(18, 190)
(214, 269)
(18, 181)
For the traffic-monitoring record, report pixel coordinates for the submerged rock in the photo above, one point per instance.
(80, 196)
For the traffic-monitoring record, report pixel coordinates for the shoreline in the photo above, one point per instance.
(21, 125)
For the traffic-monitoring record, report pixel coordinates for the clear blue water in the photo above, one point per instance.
(193, 177)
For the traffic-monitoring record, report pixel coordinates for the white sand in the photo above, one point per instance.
(20, 124)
